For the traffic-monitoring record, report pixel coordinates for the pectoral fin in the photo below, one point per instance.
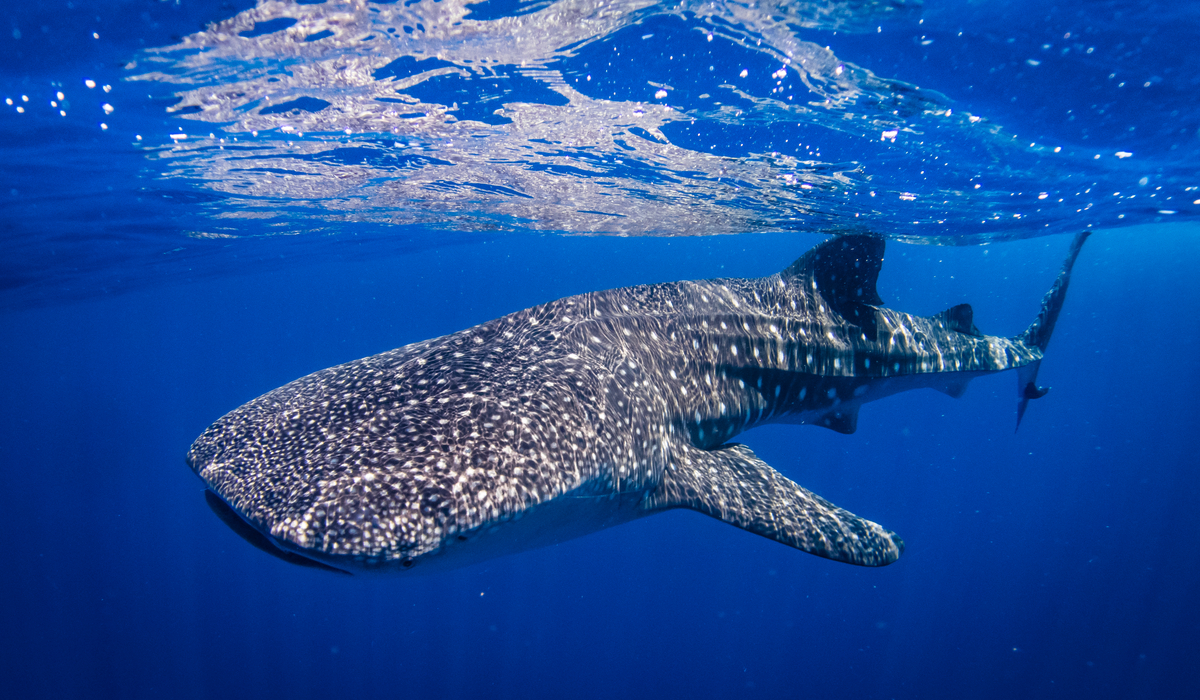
(732, 484)
(959, 318)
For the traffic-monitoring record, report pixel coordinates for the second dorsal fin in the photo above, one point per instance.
(959, 318)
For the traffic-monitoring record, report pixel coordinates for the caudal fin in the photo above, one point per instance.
(1039, 332)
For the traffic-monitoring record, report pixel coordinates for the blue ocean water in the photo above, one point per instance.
(227, 196)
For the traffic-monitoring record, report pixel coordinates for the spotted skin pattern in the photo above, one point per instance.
(594, 410)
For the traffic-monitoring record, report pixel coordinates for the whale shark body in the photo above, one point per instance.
(591, 411)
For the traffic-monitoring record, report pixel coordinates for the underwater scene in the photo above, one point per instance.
(511, 349)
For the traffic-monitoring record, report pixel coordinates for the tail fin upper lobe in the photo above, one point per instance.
(1038, 333)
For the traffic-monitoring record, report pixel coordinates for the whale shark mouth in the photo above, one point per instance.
(247, 532)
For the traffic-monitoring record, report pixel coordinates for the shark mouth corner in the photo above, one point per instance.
(260, 541)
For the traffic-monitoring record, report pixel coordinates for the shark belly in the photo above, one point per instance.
(564, 518)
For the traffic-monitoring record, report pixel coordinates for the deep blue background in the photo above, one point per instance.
(1060, 561)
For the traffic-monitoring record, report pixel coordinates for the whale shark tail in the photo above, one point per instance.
(1039, 332)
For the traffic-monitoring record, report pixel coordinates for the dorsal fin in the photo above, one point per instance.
(959, 318)
(845, 269)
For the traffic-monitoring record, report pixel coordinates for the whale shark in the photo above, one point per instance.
(592, 411)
